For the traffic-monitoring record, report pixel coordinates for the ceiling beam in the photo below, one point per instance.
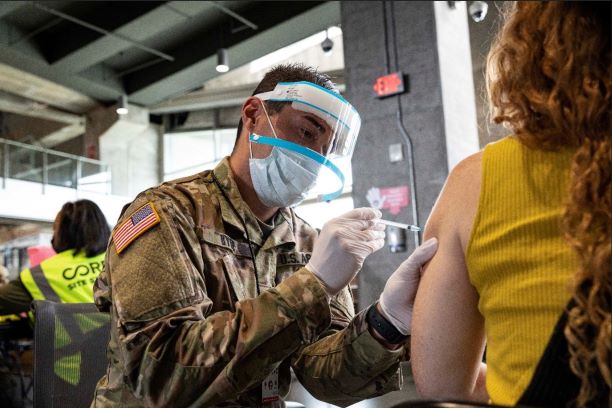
(7, 7)
(33, 87)
(237, 16)
(11, 40)
(205, 43)
(28, 58)
(196, 60)
(86, 22)
(139, 29)
(62, 135)
(21, 106)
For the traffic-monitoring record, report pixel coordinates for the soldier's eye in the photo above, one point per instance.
(307, 135)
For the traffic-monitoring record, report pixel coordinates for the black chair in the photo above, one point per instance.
(70, 343)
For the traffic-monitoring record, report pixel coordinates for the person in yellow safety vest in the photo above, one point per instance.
(80, 236)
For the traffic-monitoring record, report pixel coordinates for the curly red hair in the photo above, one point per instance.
(549, 79)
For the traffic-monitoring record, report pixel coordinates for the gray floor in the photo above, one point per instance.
(408, 393)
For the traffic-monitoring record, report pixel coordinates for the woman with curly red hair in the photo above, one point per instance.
(524, 226)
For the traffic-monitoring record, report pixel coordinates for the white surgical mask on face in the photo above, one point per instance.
(284, 178)
(279, 180)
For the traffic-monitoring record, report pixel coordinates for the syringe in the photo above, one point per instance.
(409, 227)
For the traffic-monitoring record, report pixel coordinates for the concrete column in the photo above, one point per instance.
(130, 145)
(428, 42)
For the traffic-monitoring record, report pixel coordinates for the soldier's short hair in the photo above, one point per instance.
(287, 73)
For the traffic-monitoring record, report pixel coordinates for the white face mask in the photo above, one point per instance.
(284, 178)
(281, 181)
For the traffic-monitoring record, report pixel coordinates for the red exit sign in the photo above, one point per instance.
(391, 84)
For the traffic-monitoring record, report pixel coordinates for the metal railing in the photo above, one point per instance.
(20, 161)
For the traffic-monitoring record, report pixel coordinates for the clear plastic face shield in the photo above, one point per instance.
(316, 132)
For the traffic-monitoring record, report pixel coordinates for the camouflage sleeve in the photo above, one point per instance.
(347, 364)
(14, 298)
(166, 334)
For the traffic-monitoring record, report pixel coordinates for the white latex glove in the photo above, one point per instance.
(343, 245)
(397, 299)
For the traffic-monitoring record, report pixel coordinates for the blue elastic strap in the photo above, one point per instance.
(311, 154)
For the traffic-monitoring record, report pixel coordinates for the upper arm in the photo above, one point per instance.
(159, 271)
(448, 331)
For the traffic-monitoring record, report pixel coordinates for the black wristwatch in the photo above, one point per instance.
(384, 327)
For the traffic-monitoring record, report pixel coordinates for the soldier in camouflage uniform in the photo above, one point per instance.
(211, 302)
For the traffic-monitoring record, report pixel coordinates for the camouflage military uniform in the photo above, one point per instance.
(188, 328)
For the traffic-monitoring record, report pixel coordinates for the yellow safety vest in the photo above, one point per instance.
(64, 277)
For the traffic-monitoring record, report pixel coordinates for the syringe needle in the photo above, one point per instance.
(409, 227)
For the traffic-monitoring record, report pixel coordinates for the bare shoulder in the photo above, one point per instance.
(468, 167)
(456, 207)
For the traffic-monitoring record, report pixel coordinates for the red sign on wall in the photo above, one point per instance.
(389, 198)
(396, 198)
(390, 84)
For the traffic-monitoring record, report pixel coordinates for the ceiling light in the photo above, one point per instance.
(222, 60)
(122, 105)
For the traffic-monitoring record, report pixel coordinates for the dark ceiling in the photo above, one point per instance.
(149, 50)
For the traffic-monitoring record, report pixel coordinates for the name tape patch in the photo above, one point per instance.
(133, 227)
(293, 258)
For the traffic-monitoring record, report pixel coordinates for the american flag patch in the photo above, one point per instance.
(143, 219)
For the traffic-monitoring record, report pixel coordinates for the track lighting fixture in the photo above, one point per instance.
(122, 105)
(222, 60)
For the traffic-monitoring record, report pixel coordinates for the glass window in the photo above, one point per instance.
(188, 153)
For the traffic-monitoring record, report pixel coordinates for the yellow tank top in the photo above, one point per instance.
(518, 260)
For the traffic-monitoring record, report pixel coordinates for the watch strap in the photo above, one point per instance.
(385, 328)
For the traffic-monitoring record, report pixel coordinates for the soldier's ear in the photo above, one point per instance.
(251, 109)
